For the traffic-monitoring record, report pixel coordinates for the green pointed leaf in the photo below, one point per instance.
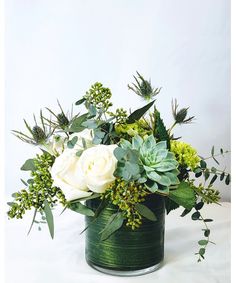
(80, 208)
(145, 212)
(227, 180)
(137, 114)
(184, 195)
(114, 223)
(82, 100)
(28, 165)
(49, 218)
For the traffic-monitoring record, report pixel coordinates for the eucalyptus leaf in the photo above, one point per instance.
(28, 165)
(81, 208)
(49, 218)
(145, 211)
(114, 223)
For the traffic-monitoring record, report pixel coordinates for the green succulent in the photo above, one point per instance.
(148, 162)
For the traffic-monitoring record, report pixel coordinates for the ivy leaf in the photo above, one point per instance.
(28, 165)
(137, 114)
(80, 208)
(49, 218)
(184, 195)
(114, 223)
(145, 211)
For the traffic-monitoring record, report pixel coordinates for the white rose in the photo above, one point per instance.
(97, 165)
(67, 175)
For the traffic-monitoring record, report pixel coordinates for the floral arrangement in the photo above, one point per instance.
(116, 156)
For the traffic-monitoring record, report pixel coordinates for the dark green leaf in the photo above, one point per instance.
(24, 182)
(227, 180)
(82, 100)
(28, 165)
(197, 175)
(114, 223)
(196, 215)
(137, 114)
(207, 233)
(203, 242)
(216, 160)
(80, 208)
(202, 251)
(213, 169)
(222, 176)
(199, 205)
(203, 164)
(145, 211)
(206, 174)
(185, 212)
(208, 220)
(213, 179)
(160, 131)
(212, 150)
(221, 151)
(184, 195)
(49, 218)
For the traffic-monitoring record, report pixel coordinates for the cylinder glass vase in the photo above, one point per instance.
(126, 252)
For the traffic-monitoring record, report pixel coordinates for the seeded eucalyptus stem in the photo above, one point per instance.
(215, 155)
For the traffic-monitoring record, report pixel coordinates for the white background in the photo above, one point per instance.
(57, 49)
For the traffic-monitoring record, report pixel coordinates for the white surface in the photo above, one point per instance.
(37, 259)
(57, 49)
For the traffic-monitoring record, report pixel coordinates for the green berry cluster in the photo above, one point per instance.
(40, 188)
(126, 195)
(121, 115)
(208, 194)
(99, 96)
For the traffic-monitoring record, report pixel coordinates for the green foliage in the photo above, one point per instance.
(49, 218)
(76, 125)
(144, 88)
(145, 211)
(159, 130)
(207, 194)
(71, 143)
(126, 195)
(137, 114)
(114, 223)
(40, 188)
(80, 208)
(170, 205)
(28, 165)
(184, 195)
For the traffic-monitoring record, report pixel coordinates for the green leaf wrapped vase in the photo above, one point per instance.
(126, 252)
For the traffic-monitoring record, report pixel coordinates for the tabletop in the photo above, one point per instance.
(37, 258)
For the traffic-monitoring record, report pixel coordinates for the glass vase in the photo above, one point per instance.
(126, 252)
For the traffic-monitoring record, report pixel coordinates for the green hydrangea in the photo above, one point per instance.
(140, 127)
(185, 154)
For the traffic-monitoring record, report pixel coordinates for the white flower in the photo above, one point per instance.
(67, 175)
(97, 165)
(55, 145)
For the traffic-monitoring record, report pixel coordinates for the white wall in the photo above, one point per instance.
(57, 49)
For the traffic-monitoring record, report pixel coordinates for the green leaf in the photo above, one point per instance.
(206, 174)
(32, 223)
(222, 176)
(185, 212)
(137, 142)
(184, 195)
(80, 208)
(212, 150)
(208, 220)
(202, 251)
(227, 180)
(203, 164)
(49, 218)
(207, 233)
(213, 179)
(170, 205)
(82, 100)
(77, 123)
(90, 124)
(203, 242)
(160, 131)
(24, 182)
(137, 114)
(199, 205)
(79, 152)
(196, 215)
(114, 223)
(28, 165)
(71, 143)
(145, 211)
